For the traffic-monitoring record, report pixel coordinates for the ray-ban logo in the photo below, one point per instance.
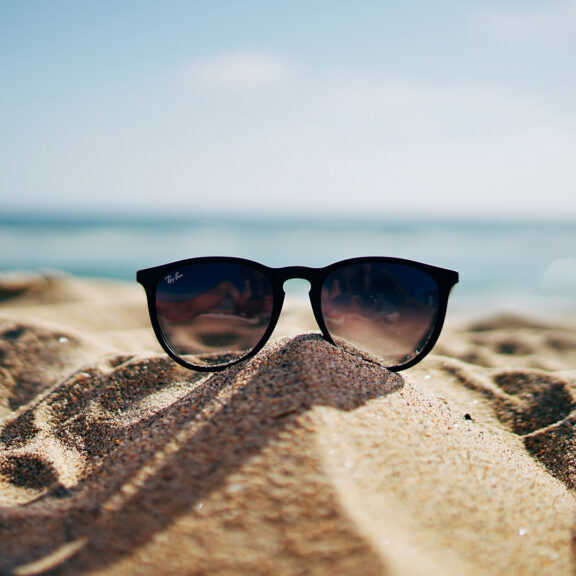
(171, 279)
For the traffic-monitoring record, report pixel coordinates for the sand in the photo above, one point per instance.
(303, 460)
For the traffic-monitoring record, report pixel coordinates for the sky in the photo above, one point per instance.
(378, 108)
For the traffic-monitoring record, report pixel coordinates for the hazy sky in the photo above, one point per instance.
(379, 108)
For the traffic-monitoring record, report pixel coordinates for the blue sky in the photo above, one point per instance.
(375, 108)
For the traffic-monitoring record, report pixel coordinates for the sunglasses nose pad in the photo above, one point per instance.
(315, 303)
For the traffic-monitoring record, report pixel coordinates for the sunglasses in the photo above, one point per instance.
(210, 313)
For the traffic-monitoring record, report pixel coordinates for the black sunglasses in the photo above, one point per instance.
(210, 313)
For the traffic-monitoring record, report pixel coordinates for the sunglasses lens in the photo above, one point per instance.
(388, 309)
(213, 314)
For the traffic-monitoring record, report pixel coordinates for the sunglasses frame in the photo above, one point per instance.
(149, 278)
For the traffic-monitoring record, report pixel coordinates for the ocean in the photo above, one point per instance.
(504, 264)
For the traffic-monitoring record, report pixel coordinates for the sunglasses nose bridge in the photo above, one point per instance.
(295, 273)
(313, 276)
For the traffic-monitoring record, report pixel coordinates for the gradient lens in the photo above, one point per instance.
(213, 314)
(386, 309)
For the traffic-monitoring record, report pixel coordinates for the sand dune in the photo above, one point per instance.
(303, 460)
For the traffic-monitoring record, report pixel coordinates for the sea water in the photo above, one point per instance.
(505, 264)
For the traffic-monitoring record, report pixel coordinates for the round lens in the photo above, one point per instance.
(213, 314)
(386, 309)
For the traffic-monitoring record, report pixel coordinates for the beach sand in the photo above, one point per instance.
(303, 460)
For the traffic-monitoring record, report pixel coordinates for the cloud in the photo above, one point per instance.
(240, 71)
(534, 21)
(362, 145)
